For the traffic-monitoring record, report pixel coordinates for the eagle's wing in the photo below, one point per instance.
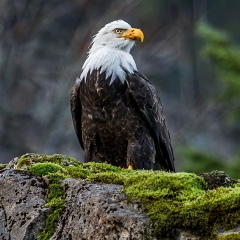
(76, 110)
(146, 97)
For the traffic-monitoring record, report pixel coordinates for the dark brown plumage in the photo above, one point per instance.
(121, 123)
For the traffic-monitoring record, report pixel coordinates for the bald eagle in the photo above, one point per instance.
(116, 111)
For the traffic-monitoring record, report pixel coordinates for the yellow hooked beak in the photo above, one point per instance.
(133, 34)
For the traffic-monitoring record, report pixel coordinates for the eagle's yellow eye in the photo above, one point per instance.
(118, 31)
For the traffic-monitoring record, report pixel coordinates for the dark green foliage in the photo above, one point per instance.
(199, 162)
(226, 58)
(234, 169)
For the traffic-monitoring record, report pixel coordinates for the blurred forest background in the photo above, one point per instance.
(191, 53)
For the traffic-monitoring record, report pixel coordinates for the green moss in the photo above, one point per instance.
(2, 166)
(53, 169)
(172, 200)
(51, 224)
(42, 169)
(179, 201)
(78, 172)
(55, 200)
(230, 237)
(107, 177)
(101, 167)
(28, 159)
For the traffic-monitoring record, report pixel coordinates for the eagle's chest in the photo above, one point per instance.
(103, 100)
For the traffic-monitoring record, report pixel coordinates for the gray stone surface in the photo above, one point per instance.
(92, 211)
(186, 235)
(98, 211)
(4, 233)
(13, 163)
(22, 197)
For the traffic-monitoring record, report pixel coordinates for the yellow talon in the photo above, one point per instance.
(130, 167)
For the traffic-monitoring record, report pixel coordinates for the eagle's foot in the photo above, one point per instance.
(130, 167)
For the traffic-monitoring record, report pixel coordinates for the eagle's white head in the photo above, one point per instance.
(110, 51)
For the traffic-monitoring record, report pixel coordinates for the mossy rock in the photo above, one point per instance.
(2, 166)
(42, 169)
(172, 201)
(230, 237)
(217, 179)
(27, 160)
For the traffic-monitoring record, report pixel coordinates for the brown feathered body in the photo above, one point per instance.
(121, 123)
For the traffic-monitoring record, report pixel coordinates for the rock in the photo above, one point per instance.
(98, 211)
(59, 205)
(13, 163)
(217, 179)
(187, 235)
(92, 211)
(22, 197)
(4, 233)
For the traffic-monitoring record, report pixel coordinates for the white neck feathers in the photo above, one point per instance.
(111, 61)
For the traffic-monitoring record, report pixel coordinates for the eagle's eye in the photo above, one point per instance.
(118, 31)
